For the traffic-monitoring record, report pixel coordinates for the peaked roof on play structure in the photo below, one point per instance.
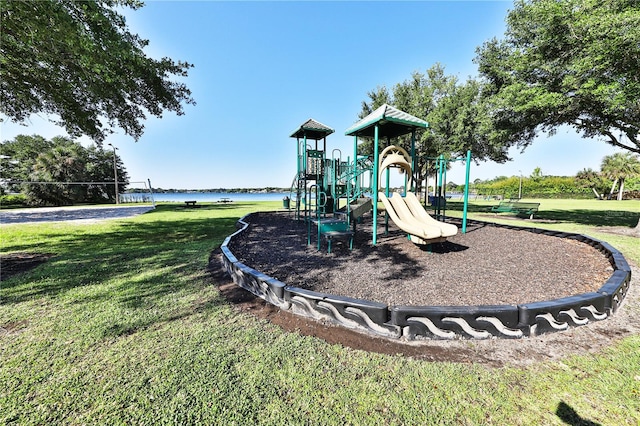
(313, 130)
(391, 123)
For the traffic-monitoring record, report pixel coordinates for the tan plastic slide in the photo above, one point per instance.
(448, 229)
(422, 230)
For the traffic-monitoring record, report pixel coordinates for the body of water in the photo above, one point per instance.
(204, 197)
(212, 197)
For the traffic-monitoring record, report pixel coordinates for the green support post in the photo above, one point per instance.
(304, 171)
(444, 188)
(355, 154)
(376, 157)
(318, 214)
(439, 192)
(413, 163)
(298, 155)
(466, 193)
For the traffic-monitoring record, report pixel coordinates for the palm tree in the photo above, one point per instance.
(589, 178)
(619, 167)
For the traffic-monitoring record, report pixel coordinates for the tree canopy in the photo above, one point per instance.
(456, 114)
(572, 62)
(77, 61)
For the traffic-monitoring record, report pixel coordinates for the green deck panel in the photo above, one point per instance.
(332, 225)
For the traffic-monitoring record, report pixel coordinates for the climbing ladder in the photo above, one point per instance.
(350, 203)
(327, 193)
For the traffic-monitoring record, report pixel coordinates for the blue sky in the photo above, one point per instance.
(263, 68)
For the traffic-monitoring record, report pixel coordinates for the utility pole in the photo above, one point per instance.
(520, 188)
(115, 172)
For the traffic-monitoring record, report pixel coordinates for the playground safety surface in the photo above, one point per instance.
(486, 265)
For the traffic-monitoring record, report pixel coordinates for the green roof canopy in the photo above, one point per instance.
(312, 129)
(391, 123)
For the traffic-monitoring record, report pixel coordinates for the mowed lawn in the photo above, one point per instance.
(124, 326)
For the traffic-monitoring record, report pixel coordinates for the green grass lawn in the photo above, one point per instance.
(581, 216)
(123, 326)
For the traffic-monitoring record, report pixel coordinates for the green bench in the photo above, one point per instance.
(516, 207)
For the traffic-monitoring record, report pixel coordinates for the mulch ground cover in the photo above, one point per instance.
(277, 246)
(486, 266)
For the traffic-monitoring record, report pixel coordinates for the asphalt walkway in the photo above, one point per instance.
(56, 214)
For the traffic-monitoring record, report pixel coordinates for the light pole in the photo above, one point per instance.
(520, 188)
(115, 172)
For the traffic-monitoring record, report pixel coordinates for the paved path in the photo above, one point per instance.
(84, 214)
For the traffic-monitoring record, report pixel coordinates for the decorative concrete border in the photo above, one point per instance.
(442, 322)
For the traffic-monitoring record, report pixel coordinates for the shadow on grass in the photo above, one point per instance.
(146, 259)
(592, 218)
(118, 279)
(578, 216)
(568, 415)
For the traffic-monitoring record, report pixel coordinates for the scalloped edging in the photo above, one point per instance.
(442, 322)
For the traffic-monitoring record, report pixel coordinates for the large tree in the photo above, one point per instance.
(455, 113)
(589, 178)
(48, 172)
(570, 62)
(78, 61)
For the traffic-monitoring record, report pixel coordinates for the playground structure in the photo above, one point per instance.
(328, 186)
(348, 189)
(333, 194)
(416, 322)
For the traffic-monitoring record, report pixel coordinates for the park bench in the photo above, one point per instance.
(225, 200)
(516, 207)
(191, 203)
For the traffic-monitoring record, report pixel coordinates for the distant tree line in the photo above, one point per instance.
(268, 189)
(616, 168)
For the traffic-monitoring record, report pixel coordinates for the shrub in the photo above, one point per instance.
(13, 200)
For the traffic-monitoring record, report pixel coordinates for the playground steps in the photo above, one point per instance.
(334, 229)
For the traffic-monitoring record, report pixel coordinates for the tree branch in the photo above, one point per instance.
(615, 142)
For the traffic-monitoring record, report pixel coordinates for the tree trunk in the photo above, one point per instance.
(615, 182)
(621, 189)
(636, 230)
(598, 196)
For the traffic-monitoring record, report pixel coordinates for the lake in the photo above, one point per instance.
(204, 197)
